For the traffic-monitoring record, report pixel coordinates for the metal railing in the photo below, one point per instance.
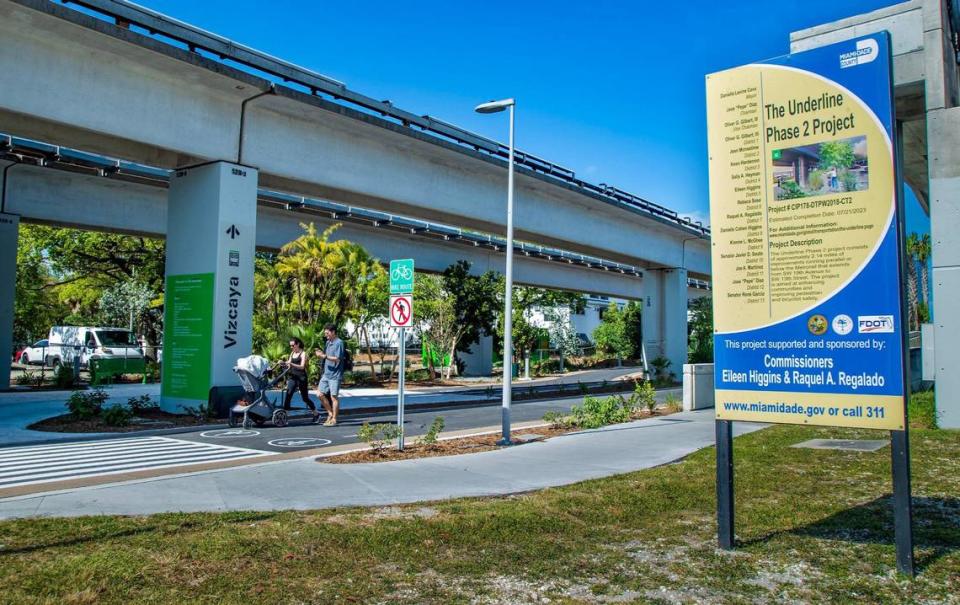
(33, 363)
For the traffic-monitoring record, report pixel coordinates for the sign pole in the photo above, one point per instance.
(900, 439)
(401, 380)
(401, 316)
(902, 505)
(725, 522)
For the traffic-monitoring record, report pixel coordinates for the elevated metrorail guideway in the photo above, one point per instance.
(44, 155)
(283, 73)
(160, 92)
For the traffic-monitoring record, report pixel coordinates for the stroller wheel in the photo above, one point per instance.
(280, 418)
(247, 423)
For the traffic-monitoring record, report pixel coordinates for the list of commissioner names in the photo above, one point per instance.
(739, 227)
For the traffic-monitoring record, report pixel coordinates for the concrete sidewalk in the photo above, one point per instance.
(307, 484)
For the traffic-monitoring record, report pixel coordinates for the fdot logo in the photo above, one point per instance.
(867, 51)
(875, 324)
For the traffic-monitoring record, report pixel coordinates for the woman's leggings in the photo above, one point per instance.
(294, 385)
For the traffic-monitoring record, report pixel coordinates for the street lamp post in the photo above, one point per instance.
(496, 107)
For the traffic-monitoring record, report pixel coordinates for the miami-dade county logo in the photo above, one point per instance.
(875, 324)
(867, 51)
(817, 324)
(842, 324)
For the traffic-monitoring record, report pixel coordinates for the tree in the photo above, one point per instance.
(913, 242)
(475, 303)
(563, 335)
(125, 303)
(371, 300)
(701, 330)
(36, 305)
(836, 154)
(611, 335)
(922, 252)
(435, 318)
(62, 275)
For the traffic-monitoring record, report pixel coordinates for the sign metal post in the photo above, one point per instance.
(401, 316)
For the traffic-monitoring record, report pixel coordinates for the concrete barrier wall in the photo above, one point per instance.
(697, 386)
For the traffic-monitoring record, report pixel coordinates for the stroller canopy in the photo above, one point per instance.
(253, 364)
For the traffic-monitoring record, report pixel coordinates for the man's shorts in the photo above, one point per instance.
(330, 386)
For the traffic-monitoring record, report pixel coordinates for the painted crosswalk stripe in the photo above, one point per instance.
(44, 464)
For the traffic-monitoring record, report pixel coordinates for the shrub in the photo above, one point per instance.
(674, 404)
(429, 439)
(201, 412)
(117, 415)
(595, 412)
(643, 396)
(661, 374)
(28, 378)
(556, 420)
(152, 371)
(85, 406)
(815, 179)
(791, 191)
(63, 376)
(141, 404)
(547, 366)
(378, 436)
(922, 411)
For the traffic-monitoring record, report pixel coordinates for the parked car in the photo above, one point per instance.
(34, 354)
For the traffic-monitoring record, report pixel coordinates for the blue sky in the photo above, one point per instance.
(612, 90)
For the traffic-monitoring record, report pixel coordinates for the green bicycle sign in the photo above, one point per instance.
(401, 276)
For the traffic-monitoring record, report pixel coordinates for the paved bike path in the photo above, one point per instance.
(307, 484)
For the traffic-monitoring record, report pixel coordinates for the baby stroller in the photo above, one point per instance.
(256, 407)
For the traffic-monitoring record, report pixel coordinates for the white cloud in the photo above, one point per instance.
(696, 215)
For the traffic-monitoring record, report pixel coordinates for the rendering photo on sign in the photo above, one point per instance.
(804, 209)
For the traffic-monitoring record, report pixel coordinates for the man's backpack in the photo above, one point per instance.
(347, 360)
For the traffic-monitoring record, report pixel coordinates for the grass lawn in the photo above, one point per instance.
(813, 526)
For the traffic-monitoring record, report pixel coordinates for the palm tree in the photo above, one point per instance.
(913, 241)
(293, 269)
(923, 250)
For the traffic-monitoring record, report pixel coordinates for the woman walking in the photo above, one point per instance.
(297, 378)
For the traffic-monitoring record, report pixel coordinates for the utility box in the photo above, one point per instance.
(697, 386)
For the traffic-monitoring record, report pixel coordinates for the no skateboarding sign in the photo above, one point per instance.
(401, 311)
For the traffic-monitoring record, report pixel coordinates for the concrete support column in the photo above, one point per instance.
(479, 362)
(665, 316)
(9, 236)
(650, 318)
(208, 311)
(675, 319)
(943, 141)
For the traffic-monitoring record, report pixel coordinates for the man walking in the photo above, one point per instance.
(333, 365)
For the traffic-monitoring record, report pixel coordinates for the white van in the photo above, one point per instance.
(117, 347)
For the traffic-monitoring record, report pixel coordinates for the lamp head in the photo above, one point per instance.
(494, 106)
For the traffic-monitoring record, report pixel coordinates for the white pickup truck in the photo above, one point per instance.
(114, 349)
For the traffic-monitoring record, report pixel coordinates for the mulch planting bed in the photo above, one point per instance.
(461, 445)
(156, 419)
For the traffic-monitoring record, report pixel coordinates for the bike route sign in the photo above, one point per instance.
(401, 276)
(807, 236)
